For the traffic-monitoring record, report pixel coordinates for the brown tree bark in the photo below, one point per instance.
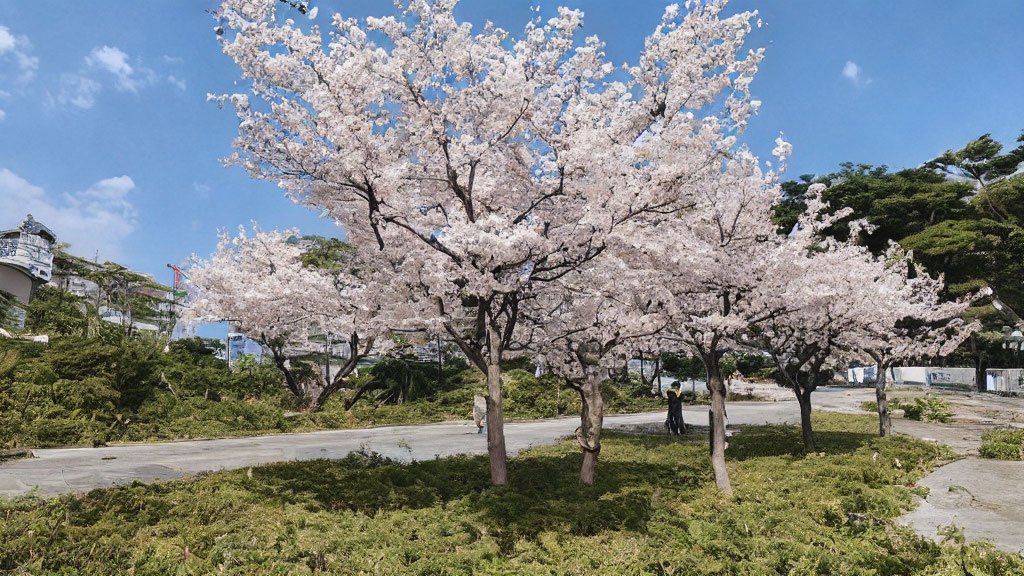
(804, 399)
(718, 392)
(592, 414)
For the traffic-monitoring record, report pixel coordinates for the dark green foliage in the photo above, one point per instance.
(327, 253)
(1002, 445)
(57, 312)
(683, 367)
(755, 366)
(980, 159)
(970, 228)
(653, 510)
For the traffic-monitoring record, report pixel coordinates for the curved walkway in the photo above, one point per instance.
(62, 470)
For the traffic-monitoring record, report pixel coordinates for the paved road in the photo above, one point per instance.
(63, 470)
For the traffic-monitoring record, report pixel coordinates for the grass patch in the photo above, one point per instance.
(653, 510)
(1002, 445)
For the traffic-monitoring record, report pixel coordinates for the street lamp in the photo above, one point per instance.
(1014, 341)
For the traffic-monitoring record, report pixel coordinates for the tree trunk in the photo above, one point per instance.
(804, 398)
(591, 418)
(884, 417)
(980, 370)
(717, 388)
(495, 416)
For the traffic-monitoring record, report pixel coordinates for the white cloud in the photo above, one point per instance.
(176, 82)
(101, 217)
(855, 74)
(7, 42)
(76, 90)
(851, 70)
(114, 61)
(3, 115)
(16, 51)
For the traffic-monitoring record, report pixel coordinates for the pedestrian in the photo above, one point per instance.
(479, 412)
(675, 412)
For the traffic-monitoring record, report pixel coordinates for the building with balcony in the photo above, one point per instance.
(26, 259)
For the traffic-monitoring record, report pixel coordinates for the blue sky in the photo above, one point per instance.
(107, 137)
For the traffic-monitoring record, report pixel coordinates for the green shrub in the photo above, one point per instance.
(928, 409)
(1002, 445)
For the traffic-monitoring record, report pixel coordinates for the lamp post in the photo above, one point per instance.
(1014, 341)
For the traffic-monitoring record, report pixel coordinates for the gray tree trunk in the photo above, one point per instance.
(495, 415)
(591, 419)
(718, 392)
(884, 417)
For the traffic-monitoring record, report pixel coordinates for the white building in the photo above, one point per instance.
(26, 258)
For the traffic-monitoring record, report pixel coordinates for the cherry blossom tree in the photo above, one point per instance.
(584, 323)
(486, 164)
(711, 258)
(259, 284)
(815, 290)
(904, 319)
(826, 302)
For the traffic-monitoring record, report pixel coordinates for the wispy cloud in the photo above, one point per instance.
(855, 74)
(99, 218)
(76, 90)
(202, 189)
(16, 56)
(114, 61)
(176, 82)
(3, 115)
(105, 67)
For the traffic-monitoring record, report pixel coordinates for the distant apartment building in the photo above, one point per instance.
(26, 259)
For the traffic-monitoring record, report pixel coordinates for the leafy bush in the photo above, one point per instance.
(110, 388)
(928, 409)
(1002, 445)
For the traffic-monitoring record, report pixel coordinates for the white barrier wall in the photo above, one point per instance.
(916, 376)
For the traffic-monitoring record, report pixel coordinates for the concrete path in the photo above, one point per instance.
(58, 471)
(984, 497)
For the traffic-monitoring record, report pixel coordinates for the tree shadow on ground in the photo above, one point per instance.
(779, 440)
(543, 494)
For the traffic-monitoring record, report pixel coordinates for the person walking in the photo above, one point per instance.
(675, 412)
(479, 412)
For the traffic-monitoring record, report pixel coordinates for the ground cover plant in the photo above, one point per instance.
(653, 510)
(1002, 445)
(80, 391)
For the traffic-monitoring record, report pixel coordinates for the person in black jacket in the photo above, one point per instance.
(675, 412)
